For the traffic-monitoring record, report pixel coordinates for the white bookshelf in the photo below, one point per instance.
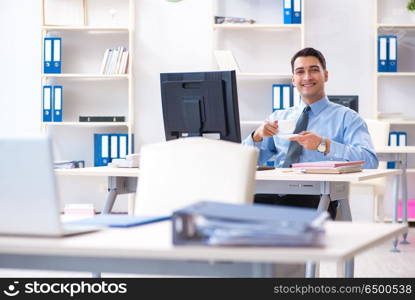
(395, 74)
(80, 76)
(97, 25)
(391, 17)
(87, 124)
(91, 29)
(262, 51)
(298, 27)
(263, 76)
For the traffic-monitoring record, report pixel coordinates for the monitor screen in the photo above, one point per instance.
(199, 103)
(351, 102)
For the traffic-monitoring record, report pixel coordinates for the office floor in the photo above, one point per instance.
(377, 262)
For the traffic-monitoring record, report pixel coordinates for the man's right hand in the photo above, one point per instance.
(267, 129)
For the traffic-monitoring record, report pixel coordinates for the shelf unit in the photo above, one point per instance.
(267, 38)
(103, 24)
(387, 17)
(391, 17)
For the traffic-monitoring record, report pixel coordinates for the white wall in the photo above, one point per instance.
(170, 37)
(20, 53)
(177, 37)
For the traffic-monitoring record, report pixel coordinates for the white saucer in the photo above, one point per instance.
(287, 136)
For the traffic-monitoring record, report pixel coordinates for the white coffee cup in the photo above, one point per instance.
(286, 126)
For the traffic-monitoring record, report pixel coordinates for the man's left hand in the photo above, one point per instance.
(307, 139)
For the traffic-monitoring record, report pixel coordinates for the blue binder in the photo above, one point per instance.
(122, 145)
(57, 103)
(114, 146)
(101, 149)
(383, 63)
(276, 97)
(392, 141)
(121, 221)
(47, 55)
(402, 139)
(392, 53)
(247, 225)
(52, 55)
(296, 14)
(286, 96)
(296, 96)
(287, 4)
(282, 96)
(47, 103)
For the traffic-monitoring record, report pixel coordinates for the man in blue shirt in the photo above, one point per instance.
(328, 131)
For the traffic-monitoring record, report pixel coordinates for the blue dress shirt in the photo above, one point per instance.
(350, 138)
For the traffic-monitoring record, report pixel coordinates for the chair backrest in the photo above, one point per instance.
(379, 131)
(177, 173)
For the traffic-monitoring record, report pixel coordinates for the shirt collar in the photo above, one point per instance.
(318, 106)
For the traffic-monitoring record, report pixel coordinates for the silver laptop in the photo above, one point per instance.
(29, 203)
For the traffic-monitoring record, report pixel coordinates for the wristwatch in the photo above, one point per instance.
(323, 146)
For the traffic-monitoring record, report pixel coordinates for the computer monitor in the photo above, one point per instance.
(351, 102)
(200, 103)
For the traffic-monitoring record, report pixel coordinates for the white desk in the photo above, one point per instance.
(148, 250)
(281, 181)
(400, 156)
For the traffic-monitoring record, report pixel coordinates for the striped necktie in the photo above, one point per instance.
(295, 149)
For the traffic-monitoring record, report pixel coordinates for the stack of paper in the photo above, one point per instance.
(330, 167)
(214, 223)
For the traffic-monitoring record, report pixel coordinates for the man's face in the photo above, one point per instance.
(309, 78)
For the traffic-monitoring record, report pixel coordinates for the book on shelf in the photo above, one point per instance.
(115, 61)
(330, 167)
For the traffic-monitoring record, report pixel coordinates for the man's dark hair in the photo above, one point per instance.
(309, 52)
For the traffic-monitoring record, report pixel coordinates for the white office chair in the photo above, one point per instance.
(379, 131)
(177, 173)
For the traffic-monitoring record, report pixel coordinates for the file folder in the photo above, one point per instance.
(47, 55)
(123, 145)
(402, 138)
(393, 53)
(393, 138)
(215, 223)
(56, 65)
(101, 149)
(393, 141)
(52, 55)
(296, 96)
(287, 11)
(119, 221)
(47, 103)
(276, 97)
(286, 96)
(114, 146)
(57, 103)
(296, 14)
(383, 53)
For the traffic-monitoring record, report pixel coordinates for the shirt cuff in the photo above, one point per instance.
(336, 150)
(250, 141)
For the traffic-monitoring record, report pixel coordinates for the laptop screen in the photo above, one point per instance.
(29, 196)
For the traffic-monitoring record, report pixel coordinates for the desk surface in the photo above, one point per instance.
(276, 174)
(395, 149)
(343, 241)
